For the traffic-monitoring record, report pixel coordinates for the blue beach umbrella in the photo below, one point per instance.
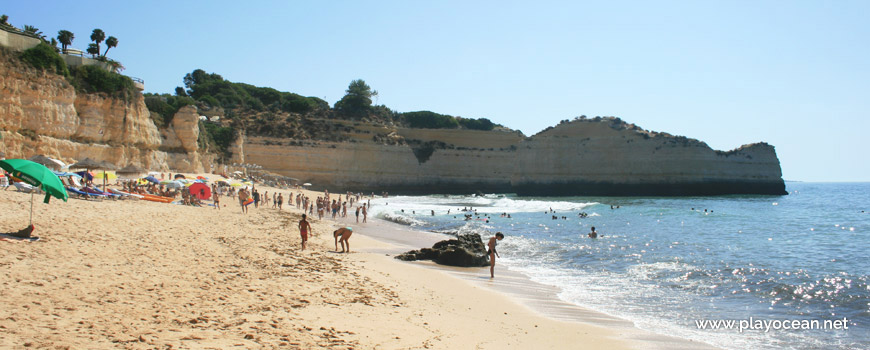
(152, 179)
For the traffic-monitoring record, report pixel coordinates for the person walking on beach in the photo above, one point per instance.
(357, 214)
(304, 227)
(281, 200)
(342, 236)
(217, 200)
(256, 196)
(243, 197)
(493, 253)
(365, 213)
(593, 234)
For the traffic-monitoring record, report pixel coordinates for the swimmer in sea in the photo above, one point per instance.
(493, 253)
(341, 236)
(593, 234)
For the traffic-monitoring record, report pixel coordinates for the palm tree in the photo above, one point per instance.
(97, 36)
(110, 43)
(66, 38)
(28, 29)
(94, 49)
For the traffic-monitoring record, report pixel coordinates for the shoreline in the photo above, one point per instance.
(139, 275)
(540, 298)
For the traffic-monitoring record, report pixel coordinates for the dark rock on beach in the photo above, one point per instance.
(465, 251)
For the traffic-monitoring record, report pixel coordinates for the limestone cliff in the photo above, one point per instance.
(41, 113)
(602, 156)
(606, 156)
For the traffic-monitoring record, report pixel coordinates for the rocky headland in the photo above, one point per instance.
(586, 156)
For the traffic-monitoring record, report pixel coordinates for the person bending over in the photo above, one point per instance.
(342, 236)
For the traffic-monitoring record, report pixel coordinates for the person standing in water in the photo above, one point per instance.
(493, 253)
(304, 227)
(593, 234)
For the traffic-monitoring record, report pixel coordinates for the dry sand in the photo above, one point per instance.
(139, 275)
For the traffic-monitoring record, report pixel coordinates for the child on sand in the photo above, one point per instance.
(492, 253)
(341, 236)
(304, 227)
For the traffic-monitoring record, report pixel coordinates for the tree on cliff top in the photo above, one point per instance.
(93, 49)
(66, 38)
(33, 31)
(357, 101)
(97, 36)
(110, 43)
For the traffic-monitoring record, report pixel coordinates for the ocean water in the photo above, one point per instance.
(668, 263)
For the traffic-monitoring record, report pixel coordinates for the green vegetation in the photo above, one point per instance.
(216, 137)
(215, 91)
(476, 124)
(97, 36)
(43, 56)
(110, 43)
(429, 120)
(357, 101)
(432, 120)
(97, 79)
(163, 107)
(33, 31)
(66, 38)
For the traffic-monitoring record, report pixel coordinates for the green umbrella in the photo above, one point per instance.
(36, 175)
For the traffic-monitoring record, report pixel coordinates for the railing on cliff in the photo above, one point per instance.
(138, 83)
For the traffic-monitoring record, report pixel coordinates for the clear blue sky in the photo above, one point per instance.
(795, 74)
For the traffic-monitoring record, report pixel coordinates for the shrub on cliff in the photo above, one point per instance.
(43, 56)
(476, 124)
(216, 91)
(163, 107)
(429, 120)
(217, 137)
(92, 78)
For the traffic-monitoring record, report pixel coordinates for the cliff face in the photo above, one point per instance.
(584, 157)
(608, 157)
(41, 113)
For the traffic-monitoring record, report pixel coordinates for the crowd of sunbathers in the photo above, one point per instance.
(149, 188)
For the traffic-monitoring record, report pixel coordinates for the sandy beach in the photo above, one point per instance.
(136, 275)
